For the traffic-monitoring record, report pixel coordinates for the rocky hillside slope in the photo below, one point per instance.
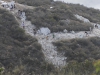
(29, 54)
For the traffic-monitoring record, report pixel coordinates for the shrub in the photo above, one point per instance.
(34, 2)
(42, 17)
(80, 49)
(18, 49)
(97, 67)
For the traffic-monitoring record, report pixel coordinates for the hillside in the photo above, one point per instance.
(23, 52)
(80, 49)
(19, 53)
(61, 16)
(35, 2)
(57, 19)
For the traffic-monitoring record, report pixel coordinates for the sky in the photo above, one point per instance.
(89, 3)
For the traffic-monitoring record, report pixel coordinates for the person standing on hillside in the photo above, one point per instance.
(47, 37)
(90, 30)
(53, 35)
(11, 7)
(19, 13)
(34, 30)
(13, 4)
(23, 25)
(96, 26)
(86, 33)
